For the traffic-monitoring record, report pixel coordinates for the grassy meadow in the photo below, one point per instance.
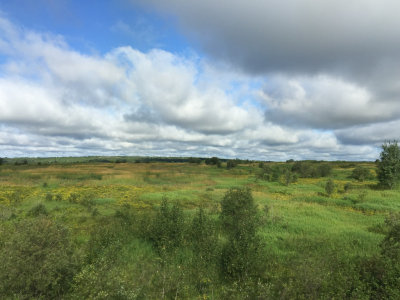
(314, 244)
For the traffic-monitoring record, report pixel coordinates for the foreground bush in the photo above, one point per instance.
(37, 261)
(381, 273)
(242, 255)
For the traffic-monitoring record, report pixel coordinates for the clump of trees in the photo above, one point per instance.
(311, 170)
(289, 173)
(231, 163)
(213, 161)
(389, 165)
(361, 173)
(194, 160)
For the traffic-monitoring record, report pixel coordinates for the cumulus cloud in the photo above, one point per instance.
(123, 101)
(369, 134)
(323, 102)
(327, 65)
(57, 101)
(166, 85)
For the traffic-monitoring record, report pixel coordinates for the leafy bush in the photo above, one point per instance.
(194, 160)
(289, 177)
(204, 243)
(213, 161)
(329, 187)
(310, 170)
(361, 173)
(381, 273)
(270, 173)
(38, 210)
(389, 165)
(348, 186)
(231, 164)
(167, 227)
(49, 197)
(38, 261)
(242, 255)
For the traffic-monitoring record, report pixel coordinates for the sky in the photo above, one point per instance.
(260, 79)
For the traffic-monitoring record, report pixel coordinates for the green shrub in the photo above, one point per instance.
(324, 170)
(167, 227)
(289, 177)
(194, 160)
(389, 165)
(231, 164)
(381, 273)
(38, 261)
(361, 173)
(38, 210)
(242, 256)
(49, 197)
(348, 186)
(204, 243)
(73, 198)
(329, 187)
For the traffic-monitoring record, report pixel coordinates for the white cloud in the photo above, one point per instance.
(55, 100)
(323, 102)
(166, 86)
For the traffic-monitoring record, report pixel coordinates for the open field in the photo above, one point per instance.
(313, 242)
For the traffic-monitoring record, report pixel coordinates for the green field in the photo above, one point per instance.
(315, 245)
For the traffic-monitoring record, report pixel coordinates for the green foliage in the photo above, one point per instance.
(311, 170)
(1, 161)
(204, 243)
(73, 198)
(126, 272)
(38, 261)
(213, 161)
(105, 238)
(381, 273)
(361, 173)
(270, 173)
(324, 170)
(242, 254)
(391, 244)
(231, 164)
(203, 237)
(167, 227)
(289, 177)
(347, 187)
(135, 248)
(330, 187)
(38, 210)
(194, 160)
(389, 165)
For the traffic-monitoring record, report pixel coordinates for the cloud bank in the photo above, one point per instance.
(278, 97)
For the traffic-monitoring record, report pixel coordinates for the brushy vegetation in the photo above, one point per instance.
(126, 228)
